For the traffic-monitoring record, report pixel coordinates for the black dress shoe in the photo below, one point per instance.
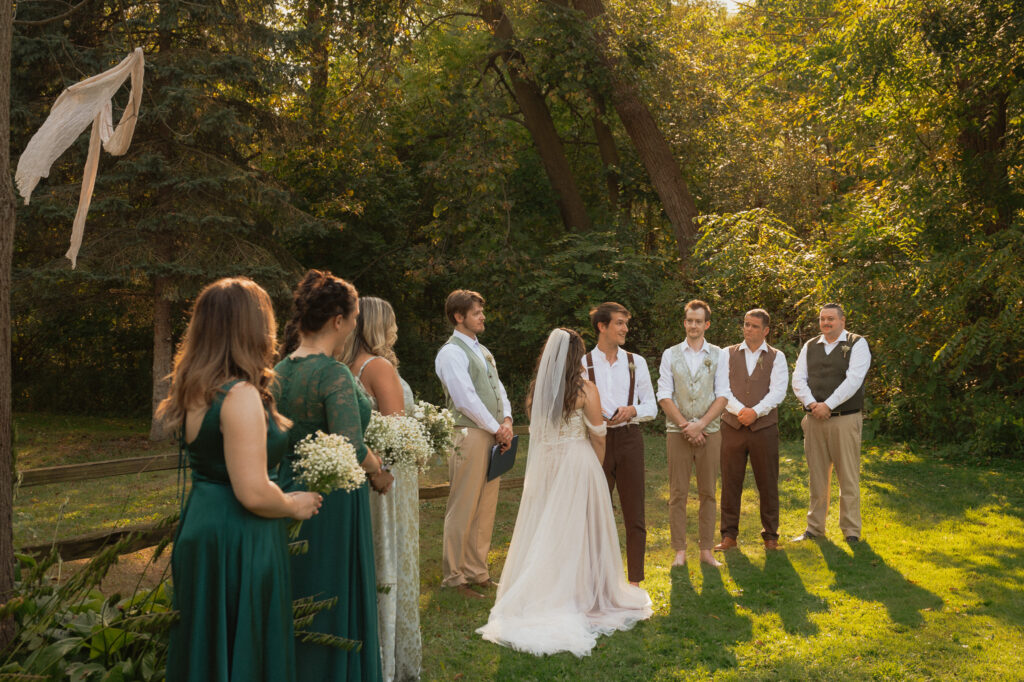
(852, 539)
(806, 535)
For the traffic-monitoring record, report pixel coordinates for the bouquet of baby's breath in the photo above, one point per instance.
(439, 425)
(327, 462)
(399, 441)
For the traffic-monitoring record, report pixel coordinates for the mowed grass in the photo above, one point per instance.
(936, 590)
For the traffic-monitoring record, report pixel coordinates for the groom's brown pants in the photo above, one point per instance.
(469, 516)
(624, 467)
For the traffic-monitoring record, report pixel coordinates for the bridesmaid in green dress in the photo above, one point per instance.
(230, 559)
(317, 392)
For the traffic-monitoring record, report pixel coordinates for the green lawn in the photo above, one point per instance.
(936, 591)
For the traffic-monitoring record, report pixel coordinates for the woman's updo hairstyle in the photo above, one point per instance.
(318, 298)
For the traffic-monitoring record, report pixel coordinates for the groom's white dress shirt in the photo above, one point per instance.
(452, 368)
(613, 385)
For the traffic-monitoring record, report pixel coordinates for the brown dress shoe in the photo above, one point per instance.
(465, 591)
(726, 543)
(771, 544)
(487, 584)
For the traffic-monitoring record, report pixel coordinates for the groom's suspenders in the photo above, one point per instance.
(632, 374)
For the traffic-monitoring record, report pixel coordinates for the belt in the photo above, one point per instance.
(837, 413)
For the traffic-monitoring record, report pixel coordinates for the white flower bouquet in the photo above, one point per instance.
(439, 425)
(327, 462)
(399, 441)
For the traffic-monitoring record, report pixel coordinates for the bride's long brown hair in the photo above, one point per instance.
(573, 374)
(232, 335)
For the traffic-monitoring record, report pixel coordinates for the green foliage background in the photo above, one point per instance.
(850, 150)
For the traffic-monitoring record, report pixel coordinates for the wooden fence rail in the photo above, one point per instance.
(147, 535)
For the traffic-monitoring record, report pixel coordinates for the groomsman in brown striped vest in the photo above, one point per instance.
(758, 377)
(627, 398)
(829, 381)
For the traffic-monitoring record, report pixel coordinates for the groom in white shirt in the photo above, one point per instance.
(627, 398)
(483, 417)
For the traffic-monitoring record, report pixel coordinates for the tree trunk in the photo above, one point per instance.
(609, 157)
(318, 24)
(538, 120)
(163, 350)
(651, 145)
(7, 565)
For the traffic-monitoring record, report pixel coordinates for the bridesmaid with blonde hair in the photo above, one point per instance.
(370, 355)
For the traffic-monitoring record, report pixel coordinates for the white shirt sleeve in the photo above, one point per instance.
(732, 405)
(666, 381)
(722, 376)
(644, 402)
(776, 388)
(506, 406)
(800, 388)
(860, 361)
(452, 368)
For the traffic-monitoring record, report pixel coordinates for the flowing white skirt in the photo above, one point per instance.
(563, 583)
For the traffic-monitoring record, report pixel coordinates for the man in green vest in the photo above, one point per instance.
(829, 381)
(691, 391)
(483, 417)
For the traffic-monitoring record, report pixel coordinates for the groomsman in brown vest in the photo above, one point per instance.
(758, 376)
(627, 398)
(829, 381)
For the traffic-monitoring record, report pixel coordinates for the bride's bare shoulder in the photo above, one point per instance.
(589, 393)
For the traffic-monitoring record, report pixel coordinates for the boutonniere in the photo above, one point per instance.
(845, 347)
(760, 361)
(489, 358)
(707, 364)
(632, 367)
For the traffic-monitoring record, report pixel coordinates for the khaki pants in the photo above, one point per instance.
(683, 456)
(469, 516)
(828, 443)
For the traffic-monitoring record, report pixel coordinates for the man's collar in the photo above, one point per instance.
(762, 347)
(468, 339)
(703, 346)
(621, 352)
(842, 337)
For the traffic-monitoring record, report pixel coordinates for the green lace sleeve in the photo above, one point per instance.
(341, 405)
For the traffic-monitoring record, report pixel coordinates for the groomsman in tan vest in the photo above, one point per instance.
(758, 377)
(829, 381)
(483, 417)
(691, 391)
(627, 398)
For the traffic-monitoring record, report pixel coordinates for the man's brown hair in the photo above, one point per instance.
(761, 314)
(602, 314)
(460, 302)
(697, 304)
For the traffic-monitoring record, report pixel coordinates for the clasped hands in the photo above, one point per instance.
(381, 479)
(820, 411)
(504, 434)
(622, 415)
(694, 432)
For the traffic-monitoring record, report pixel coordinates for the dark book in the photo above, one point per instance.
(501, 462)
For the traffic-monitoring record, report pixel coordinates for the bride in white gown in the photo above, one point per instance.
(563, 583)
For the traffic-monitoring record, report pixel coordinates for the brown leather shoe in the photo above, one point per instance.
(465, 591)
(771, 544)
(726, 543)
(487, 584)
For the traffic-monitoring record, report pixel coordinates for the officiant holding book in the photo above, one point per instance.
(483, 418)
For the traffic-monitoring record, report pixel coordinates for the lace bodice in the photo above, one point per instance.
(577, 426)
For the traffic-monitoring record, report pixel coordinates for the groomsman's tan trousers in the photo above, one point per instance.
(684, 457)
(469, 516)
(828, 443)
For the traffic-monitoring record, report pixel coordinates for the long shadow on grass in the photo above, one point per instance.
(703, 627)
(866, 576)
(777, 587)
